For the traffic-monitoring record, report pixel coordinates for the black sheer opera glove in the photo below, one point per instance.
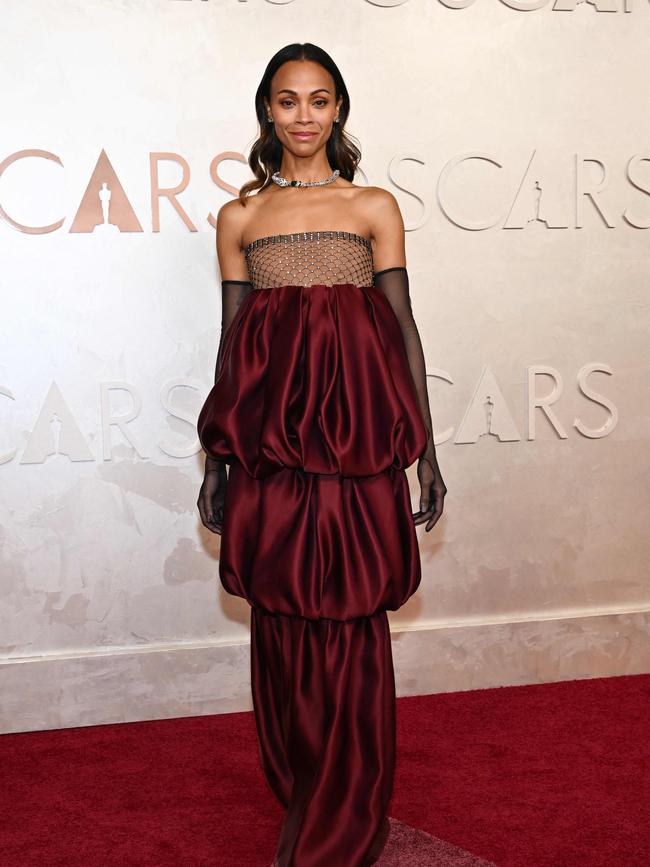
(394, 283)
(213, 490)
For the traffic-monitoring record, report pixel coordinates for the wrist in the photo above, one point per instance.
(429, 452)
(214, 466)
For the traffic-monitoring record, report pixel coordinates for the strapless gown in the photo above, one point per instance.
(316, 413)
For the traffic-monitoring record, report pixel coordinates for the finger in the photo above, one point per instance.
(217, 518)
(430, 515)
(426, 503)
(214, 526)
(437, 512)
(424, 516)
(209, 520)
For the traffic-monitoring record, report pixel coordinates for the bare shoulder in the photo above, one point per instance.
(382, 212)
(384, 219)
(379, 196)
(231, 218)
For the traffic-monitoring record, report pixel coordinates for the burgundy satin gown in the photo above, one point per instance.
(316, 412)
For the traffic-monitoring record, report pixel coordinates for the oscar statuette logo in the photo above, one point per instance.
(104, 206)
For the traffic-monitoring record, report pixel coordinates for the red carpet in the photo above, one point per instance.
(553, 775)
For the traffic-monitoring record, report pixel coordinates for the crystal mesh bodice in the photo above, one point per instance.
(310, 258)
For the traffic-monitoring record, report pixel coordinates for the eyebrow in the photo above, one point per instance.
(295, 93)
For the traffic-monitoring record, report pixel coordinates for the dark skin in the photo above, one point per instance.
(302, 98)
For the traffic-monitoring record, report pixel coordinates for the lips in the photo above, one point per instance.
(304, 134)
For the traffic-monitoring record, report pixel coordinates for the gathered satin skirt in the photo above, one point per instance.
(324, 700)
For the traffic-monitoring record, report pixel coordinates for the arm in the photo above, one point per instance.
(235, 283)
(233, 293)
(394, 283)
(391, 277)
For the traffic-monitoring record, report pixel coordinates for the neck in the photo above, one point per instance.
(296, 169)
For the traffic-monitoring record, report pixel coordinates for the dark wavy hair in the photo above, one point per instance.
(266, 153)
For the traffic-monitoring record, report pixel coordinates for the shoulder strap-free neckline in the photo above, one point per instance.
(308, 236)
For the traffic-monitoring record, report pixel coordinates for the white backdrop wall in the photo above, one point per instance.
(516, 141)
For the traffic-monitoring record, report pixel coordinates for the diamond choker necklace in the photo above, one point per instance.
(283, 182)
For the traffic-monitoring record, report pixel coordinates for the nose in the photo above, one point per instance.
(304, 114)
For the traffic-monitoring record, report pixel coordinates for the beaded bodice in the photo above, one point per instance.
(310, 258)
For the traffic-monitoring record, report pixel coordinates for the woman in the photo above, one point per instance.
(319, 405)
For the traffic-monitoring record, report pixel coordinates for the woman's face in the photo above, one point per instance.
(302, 106)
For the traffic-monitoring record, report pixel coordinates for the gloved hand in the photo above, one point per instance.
(212, 494)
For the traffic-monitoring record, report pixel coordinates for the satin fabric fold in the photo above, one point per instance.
(316, 378)
(316, 546)
(324, 702)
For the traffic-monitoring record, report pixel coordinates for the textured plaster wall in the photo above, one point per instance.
(517, 145)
